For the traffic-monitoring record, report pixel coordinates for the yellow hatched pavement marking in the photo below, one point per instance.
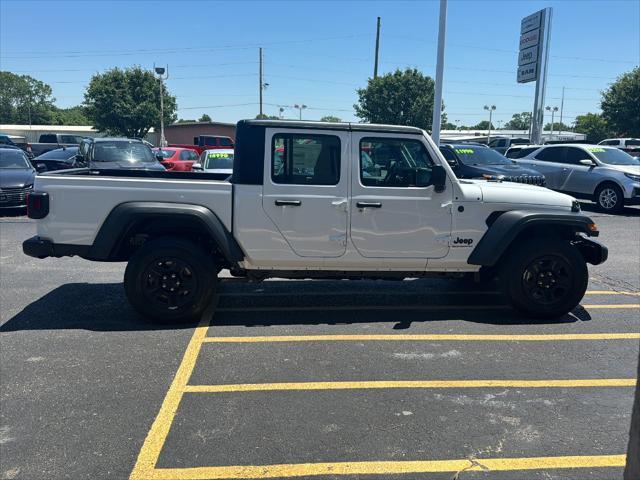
(150, 452)
(386, 468)
(390, 384)
(427, 337)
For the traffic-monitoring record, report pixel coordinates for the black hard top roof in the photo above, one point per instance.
(354, 127)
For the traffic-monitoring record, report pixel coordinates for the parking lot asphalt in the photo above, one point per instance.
(309, 379)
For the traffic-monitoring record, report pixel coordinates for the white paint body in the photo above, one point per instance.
(413, 231)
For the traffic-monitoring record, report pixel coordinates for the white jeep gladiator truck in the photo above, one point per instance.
(316, 200)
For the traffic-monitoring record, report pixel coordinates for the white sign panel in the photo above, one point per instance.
(528, 55)
(531, 22)
(527, 73)
(529, 39)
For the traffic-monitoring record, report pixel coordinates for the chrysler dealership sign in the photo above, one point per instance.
(531, 36)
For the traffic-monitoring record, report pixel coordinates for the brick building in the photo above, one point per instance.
(185, 132)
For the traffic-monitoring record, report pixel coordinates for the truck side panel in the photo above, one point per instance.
(79, 204)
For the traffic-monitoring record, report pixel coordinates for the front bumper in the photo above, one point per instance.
(42, 248)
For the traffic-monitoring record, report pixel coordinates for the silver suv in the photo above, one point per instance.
(606, 175)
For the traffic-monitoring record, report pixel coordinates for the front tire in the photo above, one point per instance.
(544, 278)
(609, 197)
(170, 280)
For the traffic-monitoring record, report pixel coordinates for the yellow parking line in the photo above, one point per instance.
(157, 435)
(389, 384)
(387, 468)
(426, 337)
(326, 308)
(610, 292)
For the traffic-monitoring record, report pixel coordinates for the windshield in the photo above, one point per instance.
(480, 156)
(58, 154)
(122, 151)
(13, 159)
(165, 153)
(216, 160)
(613, 156)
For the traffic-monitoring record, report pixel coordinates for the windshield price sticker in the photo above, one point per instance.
(218, 155)
(465, 151)
(595, 150)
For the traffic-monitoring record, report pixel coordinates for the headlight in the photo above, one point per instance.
(635, 178)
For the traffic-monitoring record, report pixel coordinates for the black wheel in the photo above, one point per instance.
(609, 197)
(170, 279)
(544, 278)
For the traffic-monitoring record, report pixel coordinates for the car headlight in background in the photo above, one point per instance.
(635, 178)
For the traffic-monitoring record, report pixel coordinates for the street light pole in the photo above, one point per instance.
(300, 108)
(553, 110)
(491, 109)
(162, 74)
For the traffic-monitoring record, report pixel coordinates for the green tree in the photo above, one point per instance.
(264, 116)
(69, 116)
(448, 126)
(558, 127)
(204, 118)
(483, 125)
(398, 98)
(24, 100)
(594, 125)
(127, 102)
(519, 121)
(330, 118)
(185, 120)
(621, 104)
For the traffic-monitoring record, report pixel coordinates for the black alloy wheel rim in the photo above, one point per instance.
(169, 283)
(547, 280)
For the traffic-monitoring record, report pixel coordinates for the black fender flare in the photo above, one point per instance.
(120, 220)
(507, 226)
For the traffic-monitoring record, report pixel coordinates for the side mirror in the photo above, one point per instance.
(439, 178)
(41, 167)
(159, 157)
(587, 162)
(197, 167)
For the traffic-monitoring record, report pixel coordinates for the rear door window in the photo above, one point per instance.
(305, 159)
(552, 154)
(573, 155)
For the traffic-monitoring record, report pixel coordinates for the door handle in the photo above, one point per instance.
(292, 203)
(369, 205)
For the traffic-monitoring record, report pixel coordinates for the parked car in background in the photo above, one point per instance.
(519, 151)
(16, 177)
(481, 162)
(51, 141)
(501, 144)
(207, 142)
(215, 161)
(176, 159)
(606, 175)
(116, 154)
(17, 141)
(629, 145)
(58, 159)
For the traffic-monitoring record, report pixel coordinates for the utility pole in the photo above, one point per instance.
(375, 65)
(161, 71)
(261, 85)
(561, 107)
(437, 98)
(491, 109)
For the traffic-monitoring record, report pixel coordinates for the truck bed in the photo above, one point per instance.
(85, 197)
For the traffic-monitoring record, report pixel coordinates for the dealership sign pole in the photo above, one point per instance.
(535, 31)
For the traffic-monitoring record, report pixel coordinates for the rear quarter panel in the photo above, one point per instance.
(79, 204)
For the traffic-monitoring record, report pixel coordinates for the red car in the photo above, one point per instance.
(176, 159)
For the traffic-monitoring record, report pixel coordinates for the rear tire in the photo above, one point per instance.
(609, 198)
(170, 280)
(544, 278)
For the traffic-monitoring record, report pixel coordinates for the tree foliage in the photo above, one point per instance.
(331, 118)
(519, 121)
(127, 102)
(264, 116)
(621, 104)
(594, 126)
(483, 125)
(24, 100)
(558, 127)
(398, 98)
(204, 118)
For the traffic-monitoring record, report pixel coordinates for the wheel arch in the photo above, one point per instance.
(509, 228)
(131, 224)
